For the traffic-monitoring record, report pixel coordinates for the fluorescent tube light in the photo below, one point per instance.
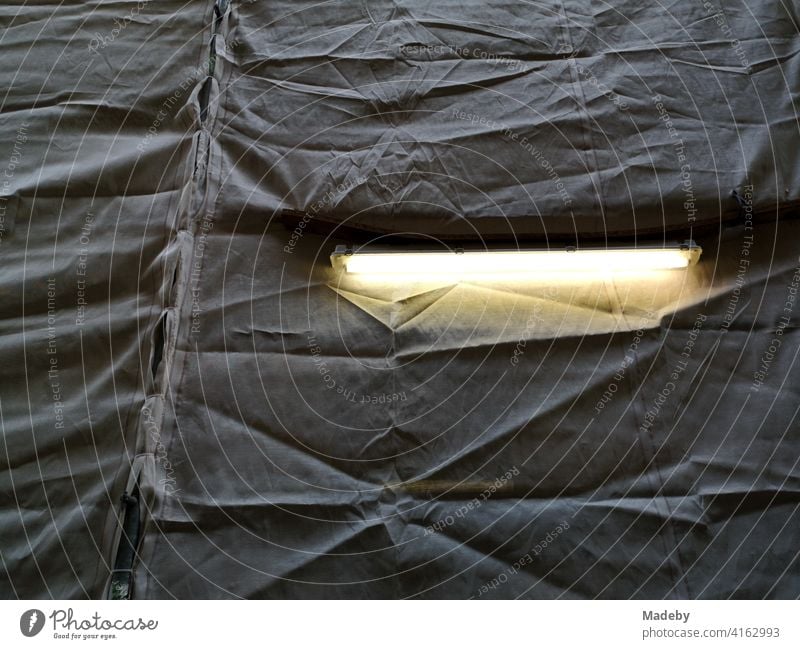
(434, 263)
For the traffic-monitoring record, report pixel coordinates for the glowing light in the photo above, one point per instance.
(503, 262)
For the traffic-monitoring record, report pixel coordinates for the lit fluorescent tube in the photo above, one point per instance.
(459, 263)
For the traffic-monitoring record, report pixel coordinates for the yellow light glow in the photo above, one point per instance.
(468, 263)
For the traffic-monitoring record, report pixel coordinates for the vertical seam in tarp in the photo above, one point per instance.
(150, 472)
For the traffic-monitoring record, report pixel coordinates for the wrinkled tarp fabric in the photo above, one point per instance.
(512, 118)
(97, 132)
(298, 434)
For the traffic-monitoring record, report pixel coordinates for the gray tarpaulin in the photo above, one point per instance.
(290, 432)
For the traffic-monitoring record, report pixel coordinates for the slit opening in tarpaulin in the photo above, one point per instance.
(204, 98)
(157, 349)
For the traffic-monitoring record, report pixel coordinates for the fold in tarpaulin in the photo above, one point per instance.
(509, 119)
(185, 375)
